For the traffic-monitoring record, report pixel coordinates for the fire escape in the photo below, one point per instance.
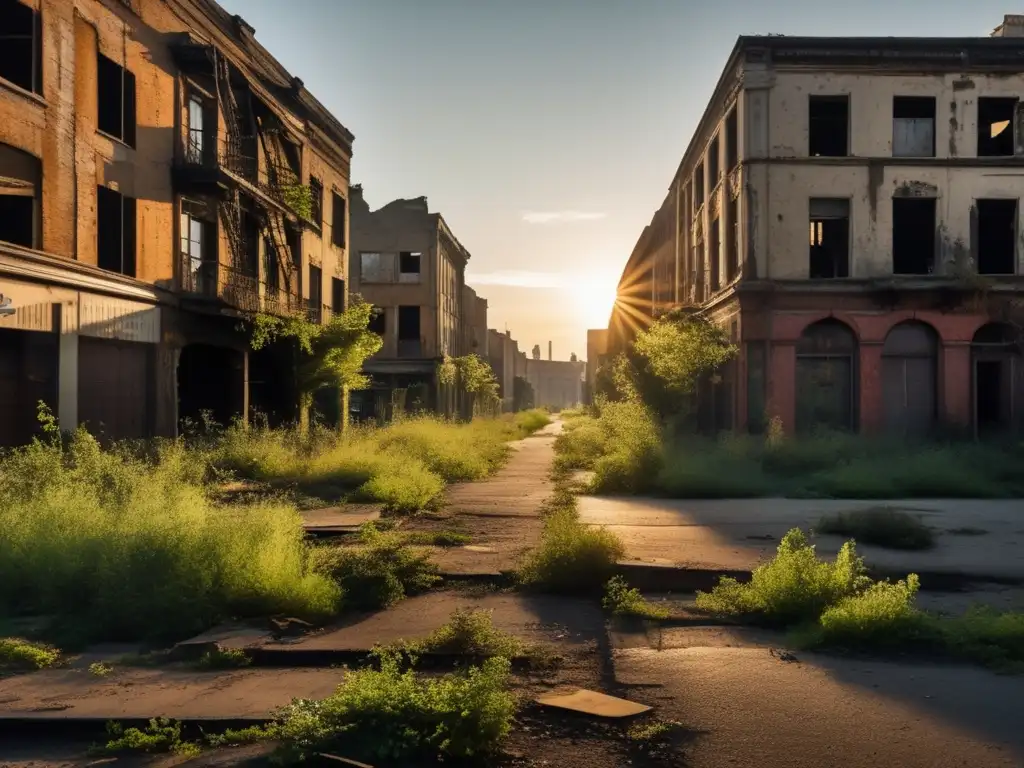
(254, 177)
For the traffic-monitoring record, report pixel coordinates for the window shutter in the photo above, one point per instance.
(128, 224)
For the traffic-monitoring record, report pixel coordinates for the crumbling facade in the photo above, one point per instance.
(162, 177)
(849, 211)
(406, 262)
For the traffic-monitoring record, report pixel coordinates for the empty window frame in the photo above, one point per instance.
(337, 294)
(271, 266)
(378, 321)
(913, 235)
(316, 293)
(409, 331)
(372, 268)
(830, 237)
(913, 126)
(115, 231)
(732, 242)
(714, 165)
(338, 219)
(828, 126)
(316, 194)
(997, 237)
(21, 176)
(715, 255)
(732, 140)
(698, 186)
(198, 249)
(996, 127)
(115, 89)
(21, 46)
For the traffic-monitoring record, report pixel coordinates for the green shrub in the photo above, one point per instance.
(439, 538)
(379, 572)
(405, 490)
(689, 470)
(390, 715)
(532, 420)
(792, 587)
(632, 455)
(472, 632)
(22, 654)
(224, 658)
(988, 636)
(622, 600)
(881, 526)
(580, 444)
(161, 735)
(571, 556)
(126, 548)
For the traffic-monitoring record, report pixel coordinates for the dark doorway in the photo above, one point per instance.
(830, 238)
(910, 379)
(273, 394)
(989, 394)
(913, 235)
(115, 387)
(211, 383)
(409, 332)
(826, 370)
(28, 374)
(998, 382)
(17, 220)
(997, 237)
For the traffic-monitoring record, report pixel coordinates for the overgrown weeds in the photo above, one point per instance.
(470, 632)
(880, 526)
(377, 572)
(224, 658)
(528, 422)
(18, 654)
(444, 538)
(622, 600)
(835, 605)
(125, 546)
(161, 735)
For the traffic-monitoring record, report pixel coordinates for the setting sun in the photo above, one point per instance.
(594, 297)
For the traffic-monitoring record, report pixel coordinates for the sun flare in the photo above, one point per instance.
(594, 297)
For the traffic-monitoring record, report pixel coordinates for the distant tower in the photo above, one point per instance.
(549, 351)
(536, 351)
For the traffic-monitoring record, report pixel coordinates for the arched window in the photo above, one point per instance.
(910, 379)
(826, 377)
(997, 373)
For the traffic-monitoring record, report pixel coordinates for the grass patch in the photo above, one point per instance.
(19, 654)
(224, 658)
(439, 538)
(161, 735)
(389, 715)
(99, 669)
(471, 632)
(881, 526)
(653, 731)
(528, 422)
(378, 572)
(123, 547)
(572, 556)
(622, 600)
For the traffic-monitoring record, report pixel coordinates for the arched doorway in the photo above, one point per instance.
(910, 379)
(826, 377)
(997, 379)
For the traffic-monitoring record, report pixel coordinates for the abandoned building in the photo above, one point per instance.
(406, 262)
(556, 384)
(597, 357)
(849, 211)
(162, 178)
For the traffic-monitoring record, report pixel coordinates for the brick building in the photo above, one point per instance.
(849, 210)
(161, 178)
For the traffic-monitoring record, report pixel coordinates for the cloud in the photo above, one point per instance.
(550, 217)
(518, 279)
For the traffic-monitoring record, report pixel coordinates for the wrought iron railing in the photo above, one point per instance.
(198, 276)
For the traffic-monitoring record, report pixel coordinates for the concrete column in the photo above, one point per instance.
(165, 407)
(781, 396)
(872, 409)
(67, 380)
(956, 382)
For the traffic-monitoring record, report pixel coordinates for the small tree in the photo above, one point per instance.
(330, 355)
(471, 375)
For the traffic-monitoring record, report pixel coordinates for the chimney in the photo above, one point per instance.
(1012, 26)
(549, 350)
(508, 333)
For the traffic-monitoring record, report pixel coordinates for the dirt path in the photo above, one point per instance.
(501, 513)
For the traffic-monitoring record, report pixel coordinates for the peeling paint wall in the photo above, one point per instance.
(778, 223)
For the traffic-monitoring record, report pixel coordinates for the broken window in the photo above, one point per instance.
(713, 163)
(337, 294)
(378, 321)
(408, 267)
(115, 231)
(715, 256)
(271, 266)
(195, 151)
(732, 140)
(830, 237)
(997, 237)
(316, 194)
(913, 235)
(21, 46)
(698, 186)
(198, 254)
(20, 181)
(995, 126)
(913, 126)
(115, 100)
(338, 219)
(829, 126)
(732, 244)
(409, 332)
(316, 293)
(371, 267)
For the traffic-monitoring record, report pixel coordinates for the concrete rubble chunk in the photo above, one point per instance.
(478, 548)
(594, 703)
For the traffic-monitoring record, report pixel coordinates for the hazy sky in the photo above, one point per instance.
(545, 131)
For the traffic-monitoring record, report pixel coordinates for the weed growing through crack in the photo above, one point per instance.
(100, 669)
(881, 526)
(653, 731)
(532, 420)
(224, 658)
(439, 538)
(16, 653)
(161, 735)
(378, 572)
(470, 631)
(620, 599)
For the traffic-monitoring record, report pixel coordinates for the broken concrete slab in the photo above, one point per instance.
(594, 703)
(225, 637)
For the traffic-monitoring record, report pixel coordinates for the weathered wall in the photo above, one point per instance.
(556, 383)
